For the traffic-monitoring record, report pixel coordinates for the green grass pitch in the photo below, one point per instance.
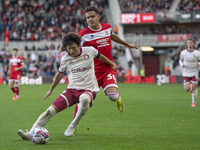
(155, 118)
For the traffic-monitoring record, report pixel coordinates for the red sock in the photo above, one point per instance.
(13, 89)
(76, 109)
(17, 90)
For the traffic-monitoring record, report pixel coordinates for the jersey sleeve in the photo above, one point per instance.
(63, 66)
(94, 51)
(181, 60)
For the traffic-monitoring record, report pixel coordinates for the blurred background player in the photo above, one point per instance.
(189, 61)
(99, 35)
(16, 65)
(82, 88)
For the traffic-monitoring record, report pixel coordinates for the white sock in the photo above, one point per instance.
(194, 96)
(83, 106)
(44, 118)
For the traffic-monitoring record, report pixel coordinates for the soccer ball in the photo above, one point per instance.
(40, 135)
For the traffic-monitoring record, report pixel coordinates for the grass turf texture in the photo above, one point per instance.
(155, 118)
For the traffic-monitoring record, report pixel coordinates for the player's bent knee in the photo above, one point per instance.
(50, 112)
(113, 96)
(84, 99)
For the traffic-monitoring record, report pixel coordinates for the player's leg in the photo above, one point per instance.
(194, 93)
(11, 85)
(40, 122)
(113, 94)
(82, 107)
(109, 83)
(16, 86)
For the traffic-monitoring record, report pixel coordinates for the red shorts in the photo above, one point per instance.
(107, 79)
(70, 97)
(15, 77)
(193, 79)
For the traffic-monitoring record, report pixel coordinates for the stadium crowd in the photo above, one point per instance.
(37, 20)
(144, 6)
(188, 5)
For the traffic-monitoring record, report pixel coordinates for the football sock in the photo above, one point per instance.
(113, 96)
(13, 89)
(44, 118)
(83, 106)
(194, 96)
(17, 90)
(76, 109)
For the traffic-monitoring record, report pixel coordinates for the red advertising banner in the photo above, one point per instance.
(137, 18)
(172, 37)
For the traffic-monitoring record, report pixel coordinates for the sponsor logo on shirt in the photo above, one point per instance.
(92, 36)
(81, 69)
(103, 42)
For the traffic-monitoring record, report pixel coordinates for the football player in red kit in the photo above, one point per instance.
(16, 65)
(99, 35)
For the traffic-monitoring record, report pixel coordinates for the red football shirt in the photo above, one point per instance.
(101, 40)
(15, 62)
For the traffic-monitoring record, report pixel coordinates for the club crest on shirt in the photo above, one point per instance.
(106, 32)
(86, 56)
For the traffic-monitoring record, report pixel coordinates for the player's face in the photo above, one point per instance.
(73, 50)
(15, 53)
(92, 19)
(190, 44)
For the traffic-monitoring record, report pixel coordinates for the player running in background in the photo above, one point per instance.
(16, 65)
(189, 61)
(99, 35)
(82, 88)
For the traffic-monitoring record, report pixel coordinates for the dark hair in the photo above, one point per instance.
(15, 49)
(191, 39)
(71, 38)
(92, 8)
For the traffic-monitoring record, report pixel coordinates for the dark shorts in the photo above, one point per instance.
(193, 79)
(70, 97)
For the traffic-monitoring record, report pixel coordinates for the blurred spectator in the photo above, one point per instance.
(144, 6)
(142, 73)
(115, 29)
(188, 5)
(120, 71)
(167, 71)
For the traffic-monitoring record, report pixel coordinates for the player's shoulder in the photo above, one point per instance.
(19, 57)
(105, 25)
(184, 51)
(86, 30)
(88, 48)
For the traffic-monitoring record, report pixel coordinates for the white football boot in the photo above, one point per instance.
(24, 135)
(71, 130)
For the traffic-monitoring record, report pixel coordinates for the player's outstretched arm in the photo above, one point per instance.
(117, 39)
(107, 61)
(56, 80)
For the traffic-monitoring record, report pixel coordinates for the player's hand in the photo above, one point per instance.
(198, 65)
(132, 46)
(61, 49)
(48, 94)
(183, 66)
(114, 66)
(16, 69)
(8, 72)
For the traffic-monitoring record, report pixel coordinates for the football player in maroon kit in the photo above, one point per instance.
(99, 35)
(16, 65)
